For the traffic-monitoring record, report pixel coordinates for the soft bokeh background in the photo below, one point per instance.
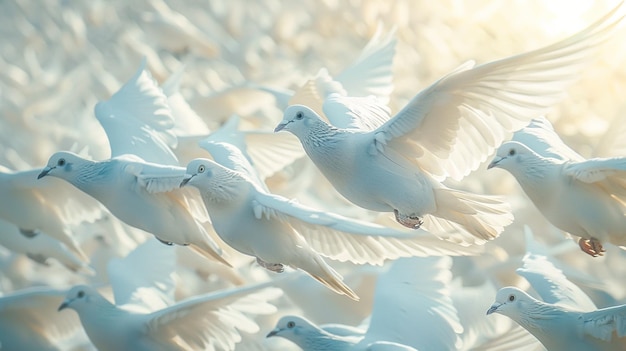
(58, 58)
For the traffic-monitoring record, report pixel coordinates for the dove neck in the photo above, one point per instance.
(225, 187)
(536, 316)
(320, 135)
(533, 173)
(92, 174)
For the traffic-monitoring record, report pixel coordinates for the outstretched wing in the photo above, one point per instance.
(144, 278)
(157, 178)
(268, 152)
(213, 321)
(550, 282)
(452, 126)
(345, 239)
(371, 73)
(413, 306)
(138, 120)
(605, 324)
(540, 137)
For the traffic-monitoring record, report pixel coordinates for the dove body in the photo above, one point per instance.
(562, 329)
(115, 184)
(566, 193)
(238, 219)
(384, 183)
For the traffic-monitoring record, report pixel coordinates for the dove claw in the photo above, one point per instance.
(413, 222)
(274, 267)
(592, 247)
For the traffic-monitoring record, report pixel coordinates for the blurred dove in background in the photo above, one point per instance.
(447, 130)
(29, 321)
(41, 247)
(50, 206)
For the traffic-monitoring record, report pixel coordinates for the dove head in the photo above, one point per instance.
(214, 181)
(510, 301)
(293, 328)
(79, 297)
(200, 172)
(511, 155)
(299, 120)
(61, 164)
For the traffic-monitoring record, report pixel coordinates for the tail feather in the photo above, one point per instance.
(464, 217)
(326, 275)
(208, 251)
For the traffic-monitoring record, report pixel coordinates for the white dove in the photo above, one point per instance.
(41, 247)
(446, 130)
(29, 321)
(50, 206)
(281, 232)
(138, 123)
(585, 198)
(566, 319)
(411, 311)
(144, 317)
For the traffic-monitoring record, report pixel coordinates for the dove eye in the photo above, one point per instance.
(299, 115)
(512, 152)
(80, 294)
(61, 162)
(291, 324)
(201, 169)
(511, 298)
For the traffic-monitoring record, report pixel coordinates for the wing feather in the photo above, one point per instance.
(346, 239)
(504, 95)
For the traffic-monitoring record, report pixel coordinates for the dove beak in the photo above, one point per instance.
(493, 308)
(273, 333)
(281, 126)
(495, 162)
(64, 305)
(186, 179)
(44, 172)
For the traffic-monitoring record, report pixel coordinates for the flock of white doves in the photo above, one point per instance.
(221, 213)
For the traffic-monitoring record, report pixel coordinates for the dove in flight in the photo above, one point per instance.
(584, 197)
(446, 131)
(565, 318)
(41, 247)
(49, 206)
(29, 321)
(411, 311)
(144, 316)
(280, 232)
(138, 124)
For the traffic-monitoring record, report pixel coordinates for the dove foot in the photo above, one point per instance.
(592, 247)
(274, 267)
(413, 222)
(168, 243)
(29, 233)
